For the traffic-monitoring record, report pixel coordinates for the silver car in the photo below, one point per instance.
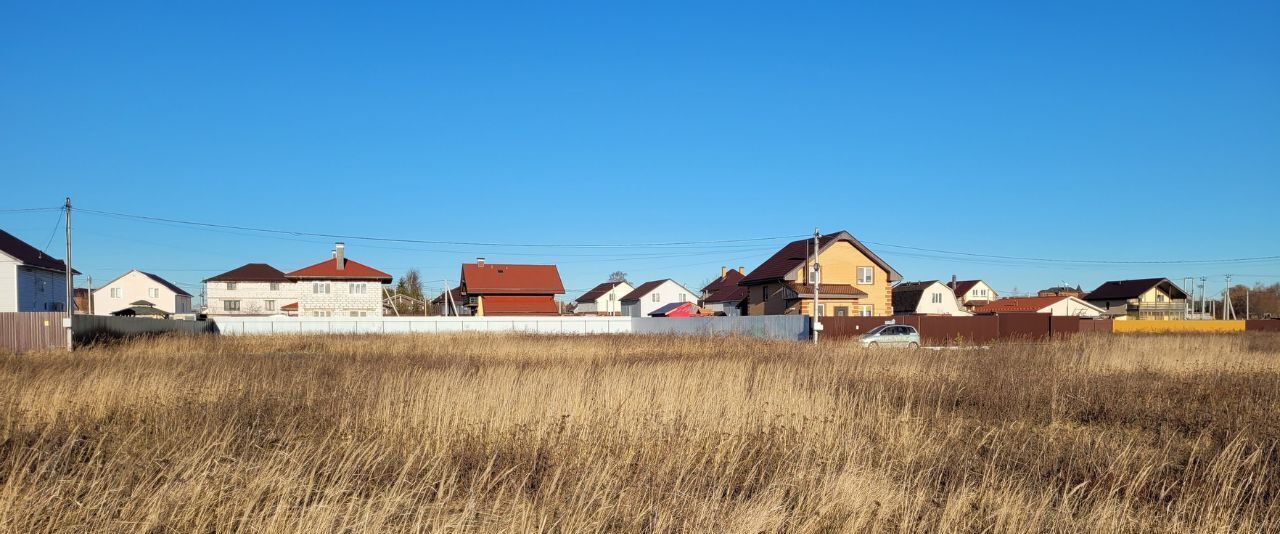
(891, 335)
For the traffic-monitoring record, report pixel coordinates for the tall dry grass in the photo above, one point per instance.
(529, 433)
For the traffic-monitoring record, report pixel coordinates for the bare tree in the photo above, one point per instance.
(618, 276)
(409, 285)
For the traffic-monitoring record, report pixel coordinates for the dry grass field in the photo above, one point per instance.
(517, 433)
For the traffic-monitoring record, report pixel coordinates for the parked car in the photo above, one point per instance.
(891, 335)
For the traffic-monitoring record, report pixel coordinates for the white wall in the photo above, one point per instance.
(340, 300)
(253, 297)
(1072, 307)
(8, 284)
(976, 293)
(946, 304)
(667, 292)
(609, 302)
(791, 327)
(135, 286)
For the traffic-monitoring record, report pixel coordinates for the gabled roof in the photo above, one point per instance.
(170, 285)
(733, 294)
(520, 305)
(328, 270)
(730, 279)
(1130, 289)
(510, 279)
(963, 286)
(668, 308)
(907, 295)
(796, 252)
(29, 255)
(251, 272)
(644, 289)
(598, 291)
(1025, 304)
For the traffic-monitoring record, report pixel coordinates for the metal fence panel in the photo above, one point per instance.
(26, 331)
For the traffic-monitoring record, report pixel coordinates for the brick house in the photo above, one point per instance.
(250, 289)
(337, 287)
(854, 280)
(492, 289)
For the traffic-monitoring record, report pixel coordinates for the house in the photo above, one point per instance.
(491, 289)
(926, 298)
(1146, 298)
(1065, 306)
(30, 280)
(604, 299)
(854, 280)
(675, 309)
(1061, 291)
(972, 293)
(450, 303)
(728, 300)
(251, 289)
(339, 287)
(649, 296)
(727, 279)
(136, 286)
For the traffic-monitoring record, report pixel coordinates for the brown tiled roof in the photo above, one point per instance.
(1018, 305)
(1131, 289)
(643, 289)
(520, 305)
(734, 294)
(796, 252)
(597, 291)
(841, 290)
(730, 279)
(251, 272)
(29, 255)
(351, 270)
(508, 279)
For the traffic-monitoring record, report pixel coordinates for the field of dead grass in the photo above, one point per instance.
(537, 433)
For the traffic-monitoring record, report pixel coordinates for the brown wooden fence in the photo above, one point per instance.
(969, 330)
(27, 331)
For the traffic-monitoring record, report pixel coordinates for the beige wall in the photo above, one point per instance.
(135, 286)
(840, 262)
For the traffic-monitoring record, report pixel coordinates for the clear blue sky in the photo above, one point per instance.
(1085, 130)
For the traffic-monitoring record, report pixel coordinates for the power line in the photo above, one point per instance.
(17, 210)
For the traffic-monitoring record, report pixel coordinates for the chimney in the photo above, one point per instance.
(723, 271)
(479, 262)
(339, 255)
(742, 270)
(953, 282)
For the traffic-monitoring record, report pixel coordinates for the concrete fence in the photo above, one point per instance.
(773, 327)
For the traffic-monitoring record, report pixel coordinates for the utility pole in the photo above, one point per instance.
(1227, 310)
(1188, 304)
(1202, 306)
(70, 280)
(816, 279)
(89, 295)
(1246, 303)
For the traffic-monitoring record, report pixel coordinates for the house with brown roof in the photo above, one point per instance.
(853, 280)
(971, 294)
(30, 280)
(1061, 291)
(135, 286)
(604, 299)
(251, 289)
(1144, 298)
(649, 296)
(728, 278)
(1064, 306)
(926, 298)
(336, 287)
(498, 289)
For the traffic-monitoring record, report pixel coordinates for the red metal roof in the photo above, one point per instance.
(352, 270)
(289, 307)
(674, 309)
(520, 305)
(1019, 305)
(506, 279)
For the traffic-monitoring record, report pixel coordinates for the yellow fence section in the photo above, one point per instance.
(1170, 327)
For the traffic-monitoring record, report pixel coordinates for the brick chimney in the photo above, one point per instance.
(742, 270)
(480, 262)
(339, 255)
(723, 271)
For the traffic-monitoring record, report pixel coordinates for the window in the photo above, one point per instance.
(231, 305)
(682, 298)
(320, 288)
(866, 276)
(359, 314)
(822, 310)
(320, 313)
(275, 286)
(1159, 298)
(842, 311)
(115, 292)
(866, 310)
(657, 297)
(937, 298)
(231, 286)
(269, 305)
(153, 292)
(356, 289)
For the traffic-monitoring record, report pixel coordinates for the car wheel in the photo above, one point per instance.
(873, 345)
(913, 345)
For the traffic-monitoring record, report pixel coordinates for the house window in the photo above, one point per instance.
(682, 298)
(320, 288)
(115, 292)
(269, 305)
(153, 292)
(866, 310)
(1159, 298)
(937, 298)
(275, 286)
(356, 289)
(657, 297)
(231, 305)
(359, 314)
(320, 313)
(866, 276)
(842, 311)
(231, 286)
(822, 310)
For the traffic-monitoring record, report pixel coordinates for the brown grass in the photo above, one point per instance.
(528, 433)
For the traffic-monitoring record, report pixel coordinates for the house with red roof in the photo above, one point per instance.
(504, 289)
(336, 287)
(1064, 306)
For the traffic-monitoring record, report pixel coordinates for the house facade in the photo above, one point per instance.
(971, 294)
(137, 288)
(604, 299)
(30, 280)
(649, 296)
(1145, 298)
(854, 281)
(1062, 306)
(494, 290)
(930, 297)
(251, 289)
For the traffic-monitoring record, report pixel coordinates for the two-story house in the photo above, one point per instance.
(604, 299)
(650, 296)
(250, 289)
(30, 280)
(1146, 298)
(853, 279)
(337, 287)
(971, 294)
(137, 288)
(498, 289)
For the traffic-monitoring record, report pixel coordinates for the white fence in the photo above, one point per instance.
(775, 327)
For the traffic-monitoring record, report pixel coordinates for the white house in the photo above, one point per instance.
(30, 280)
(649, 296)
(251, 289)
(604, 299)
(1065, 306)
(972, 293)
(136, 286)
(926, 298)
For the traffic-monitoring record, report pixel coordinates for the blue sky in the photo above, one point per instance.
(1087, 130)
